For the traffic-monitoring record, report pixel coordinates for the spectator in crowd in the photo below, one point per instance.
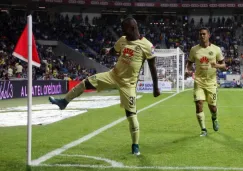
(10, 71)
(19, 70)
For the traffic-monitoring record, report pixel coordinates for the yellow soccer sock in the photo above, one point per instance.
(201, 120)
(134, 128)
(75, 92)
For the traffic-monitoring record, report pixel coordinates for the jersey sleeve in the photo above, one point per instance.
(191, 57)
(219, 55)
(117, 45)
(149, 51)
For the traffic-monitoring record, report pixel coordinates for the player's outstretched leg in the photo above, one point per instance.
(214, 112)
(75, 92)
(61, 103)
(134, 130)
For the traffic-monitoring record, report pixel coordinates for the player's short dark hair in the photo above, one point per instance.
(127, 19)
(204, 28)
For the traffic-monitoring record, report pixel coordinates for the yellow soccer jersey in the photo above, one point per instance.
(131, 59)
(205, 75)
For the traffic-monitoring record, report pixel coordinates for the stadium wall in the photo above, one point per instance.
(18, 88)
(232, 77)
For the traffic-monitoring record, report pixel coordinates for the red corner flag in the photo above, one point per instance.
(21, 49)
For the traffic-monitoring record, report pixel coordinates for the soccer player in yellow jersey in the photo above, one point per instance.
(133, 51)
(207, 58)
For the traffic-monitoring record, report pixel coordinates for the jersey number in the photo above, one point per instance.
(214, 96)
(132, 101)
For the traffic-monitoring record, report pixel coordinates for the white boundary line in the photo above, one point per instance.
(143, 167)
(111, 162)
(237, 106)
(115, 164)
(91, 135)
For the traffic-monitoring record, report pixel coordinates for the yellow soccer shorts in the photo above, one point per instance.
(206, 94)
(105, 81)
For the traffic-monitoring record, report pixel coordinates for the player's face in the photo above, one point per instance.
(204, 36)
(127, 30)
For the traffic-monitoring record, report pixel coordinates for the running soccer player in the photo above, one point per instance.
(133, 50)
(207, 58)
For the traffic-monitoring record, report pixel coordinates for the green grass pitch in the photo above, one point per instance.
(169, 137)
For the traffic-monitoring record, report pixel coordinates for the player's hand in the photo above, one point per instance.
(156, 92)
(104, 51)
(188, 73)
(214, 65)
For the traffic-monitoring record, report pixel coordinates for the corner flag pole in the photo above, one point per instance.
(29, 122)
(26, 50)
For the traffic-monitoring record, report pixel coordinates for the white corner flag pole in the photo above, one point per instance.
(29, 123)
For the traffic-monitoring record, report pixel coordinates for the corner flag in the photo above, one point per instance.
(21, 48)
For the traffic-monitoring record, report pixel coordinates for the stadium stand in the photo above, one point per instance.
(90, 39)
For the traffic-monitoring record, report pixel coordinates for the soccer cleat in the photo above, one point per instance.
(135, 149)
(215, 124)
(61, 103)
(204, 133)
